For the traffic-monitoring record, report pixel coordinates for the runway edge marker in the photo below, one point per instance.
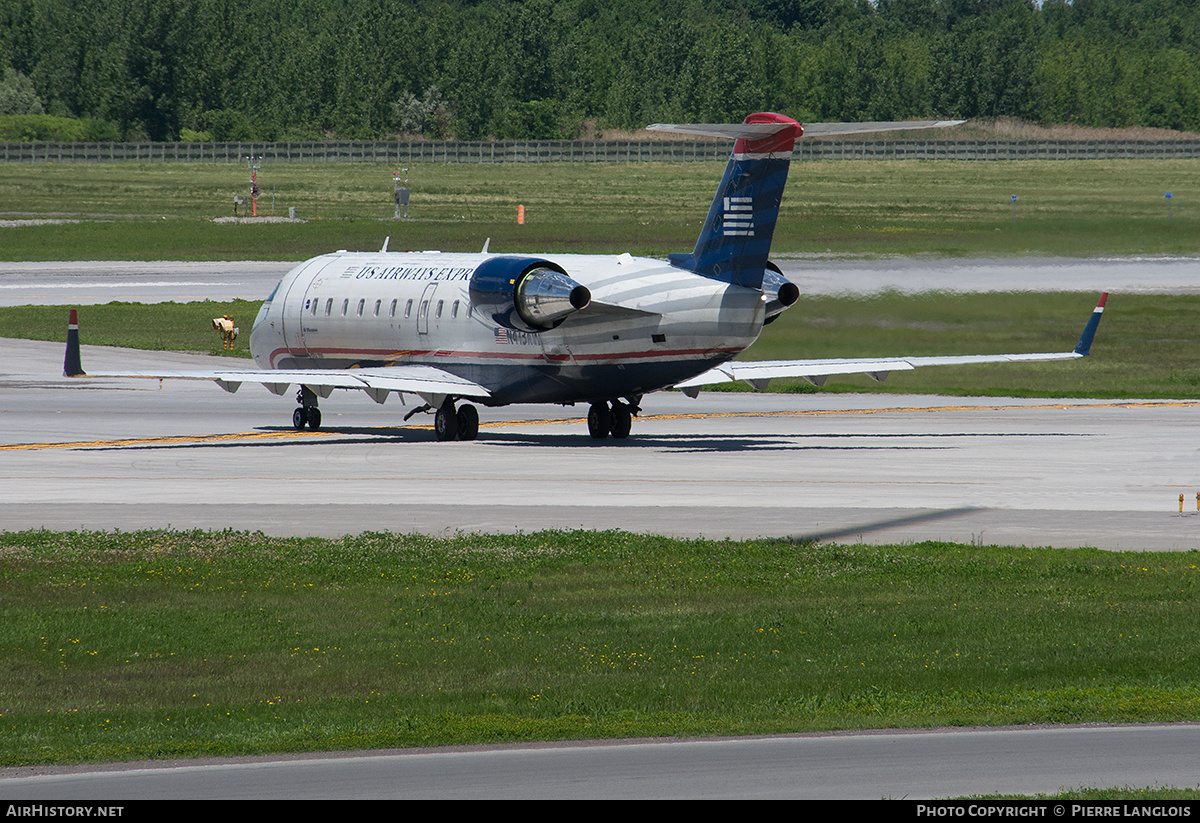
(72, 365)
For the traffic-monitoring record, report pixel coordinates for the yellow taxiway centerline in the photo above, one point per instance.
(217, 438)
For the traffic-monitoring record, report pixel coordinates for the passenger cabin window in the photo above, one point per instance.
(345, 307)
(329, 307)
(393, 312)
(378, 303)
(361, 303)
(407, 309)
(438, 313)
(454, 309)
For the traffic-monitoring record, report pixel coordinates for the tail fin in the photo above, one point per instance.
(72, 367)
(736, 238)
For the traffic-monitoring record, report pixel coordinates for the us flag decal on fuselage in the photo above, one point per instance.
(739, 217)
(509, 337)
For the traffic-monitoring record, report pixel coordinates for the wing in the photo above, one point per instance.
(759, 373)
(425, 381)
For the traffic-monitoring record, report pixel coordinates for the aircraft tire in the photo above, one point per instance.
(314, 417)
(599, 421)
(298, 418)
(468, 422)
(445, 422)
(622, 420)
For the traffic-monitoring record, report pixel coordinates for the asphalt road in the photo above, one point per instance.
(868, 766)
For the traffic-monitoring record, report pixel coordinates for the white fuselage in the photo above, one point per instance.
(649, 325)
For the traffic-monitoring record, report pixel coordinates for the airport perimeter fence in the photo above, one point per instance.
(586, 151)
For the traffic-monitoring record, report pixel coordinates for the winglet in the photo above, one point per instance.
(72, 367)
(1084, 346)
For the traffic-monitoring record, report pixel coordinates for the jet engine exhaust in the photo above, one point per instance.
(544, 297)
(780, 292)
(525, 293)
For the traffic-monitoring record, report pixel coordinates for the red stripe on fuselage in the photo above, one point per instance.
(459, 356)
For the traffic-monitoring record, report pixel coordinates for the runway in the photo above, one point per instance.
(90, 282)
(128, 454)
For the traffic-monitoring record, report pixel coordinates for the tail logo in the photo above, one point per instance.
(736, 237)
(738, 218)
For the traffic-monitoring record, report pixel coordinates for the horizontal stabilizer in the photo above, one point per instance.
(757, 131)
(835, 129)
(732, 131)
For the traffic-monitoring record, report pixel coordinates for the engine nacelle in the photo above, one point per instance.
(526, 293)
(780, 292)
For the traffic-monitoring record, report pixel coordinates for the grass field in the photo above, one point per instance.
(167, 211)
(119, 646)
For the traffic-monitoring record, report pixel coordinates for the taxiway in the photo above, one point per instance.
(130, 454)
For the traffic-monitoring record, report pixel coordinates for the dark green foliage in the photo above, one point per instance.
(302, 69)
(17, 95)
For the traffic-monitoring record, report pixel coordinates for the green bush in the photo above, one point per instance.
(44, 128)
(189, 136)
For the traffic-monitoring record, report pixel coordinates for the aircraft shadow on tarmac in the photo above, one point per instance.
(813, 441)
(674, 443)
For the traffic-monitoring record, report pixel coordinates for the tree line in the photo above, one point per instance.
(475, 69)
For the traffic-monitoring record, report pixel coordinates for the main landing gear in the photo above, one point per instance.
(308, 414)
(461, 424)
(614, 417)
(450, 423)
